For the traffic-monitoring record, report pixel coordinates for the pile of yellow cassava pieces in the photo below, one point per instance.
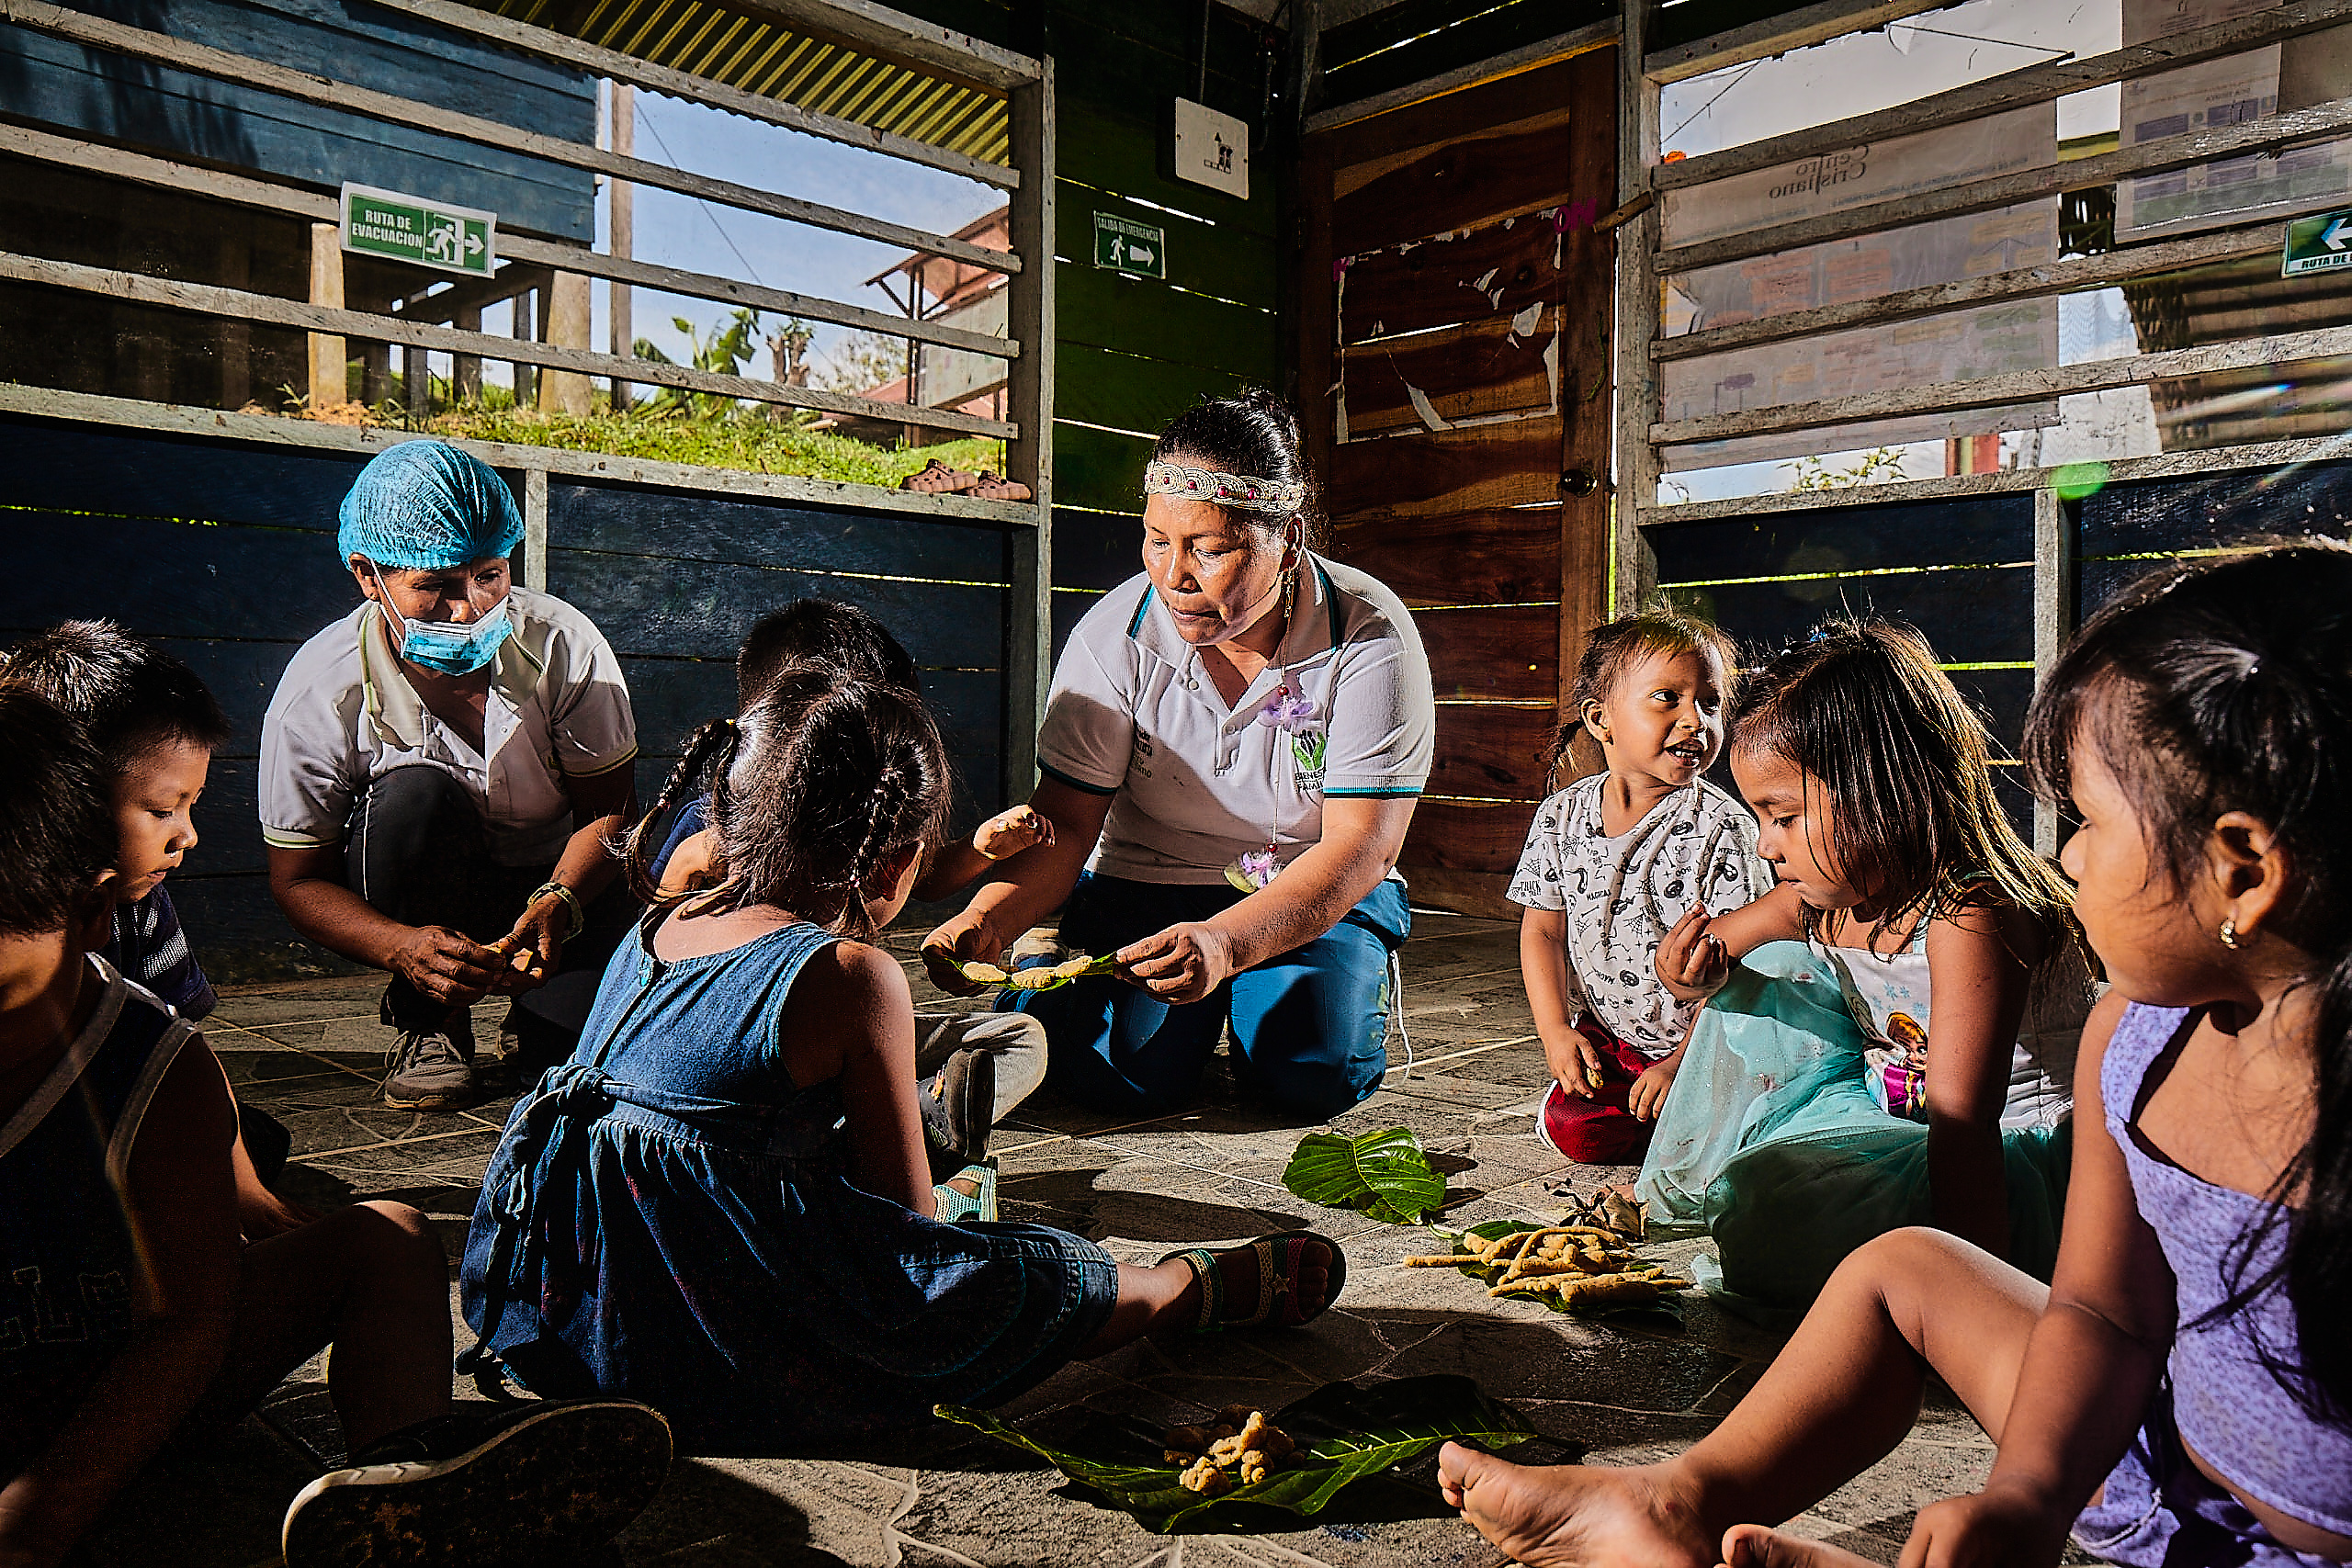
(1239, 1444)
(1585, 1266)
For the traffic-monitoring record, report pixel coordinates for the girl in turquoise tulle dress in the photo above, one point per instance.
(1890, 1038)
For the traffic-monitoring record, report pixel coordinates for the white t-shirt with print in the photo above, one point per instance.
(345, 714)
(1622, 895)
(1195, 783)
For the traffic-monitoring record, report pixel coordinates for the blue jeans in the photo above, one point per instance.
(1311, 1024)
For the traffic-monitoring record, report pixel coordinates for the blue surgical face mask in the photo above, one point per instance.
(453, 647)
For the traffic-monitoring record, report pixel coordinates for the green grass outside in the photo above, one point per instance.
(756, 446)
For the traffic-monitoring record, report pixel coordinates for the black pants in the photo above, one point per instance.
(416, 850)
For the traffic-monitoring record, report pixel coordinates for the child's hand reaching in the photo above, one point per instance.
(1575, 1059)
(1692, 962)
(1648, 1097)
(1008, 833)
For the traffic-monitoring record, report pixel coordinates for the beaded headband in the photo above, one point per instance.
(1243, 491)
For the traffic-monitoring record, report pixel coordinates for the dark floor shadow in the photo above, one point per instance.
(1071, 1200)
(715, 1518)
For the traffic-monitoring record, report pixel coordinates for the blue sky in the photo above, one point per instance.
(682, 232)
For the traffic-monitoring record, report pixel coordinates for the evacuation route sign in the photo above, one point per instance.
(411, 229)
(1122, 244)
(2318, 244)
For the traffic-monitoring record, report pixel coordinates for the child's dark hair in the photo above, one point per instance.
(824, 778)
(1256, 434)
(56, 831)
(823, 630)
(1906, 764)
(128, 695)
(1618, 646)
(2225, 685)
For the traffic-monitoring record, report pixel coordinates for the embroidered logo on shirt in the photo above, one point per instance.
(1307, 748)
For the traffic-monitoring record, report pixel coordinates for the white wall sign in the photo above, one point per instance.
(1212, 149)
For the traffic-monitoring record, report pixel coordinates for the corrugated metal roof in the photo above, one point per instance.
(763, 57)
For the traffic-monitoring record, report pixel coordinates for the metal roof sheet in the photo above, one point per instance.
(759, 56)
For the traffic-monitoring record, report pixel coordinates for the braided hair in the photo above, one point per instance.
(827, 777)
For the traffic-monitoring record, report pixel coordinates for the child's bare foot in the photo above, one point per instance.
(1754, 1546)
(1576, 1515)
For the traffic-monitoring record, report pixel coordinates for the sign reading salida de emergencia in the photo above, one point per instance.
(408, 228)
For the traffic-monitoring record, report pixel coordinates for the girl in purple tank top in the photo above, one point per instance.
(2180, 1394)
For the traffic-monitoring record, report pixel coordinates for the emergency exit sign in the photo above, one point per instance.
(411, 229)
(2318, 244)
(1122, 244)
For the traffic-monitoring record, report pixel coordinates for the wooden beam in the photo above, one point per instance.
(903, 40)
(2014, 387)
(620, 204)
(1777, 35)
(535, 530)
(1029, 621)
(628, 68)
(2004, 190)
(205, 300)
(2056, 538)
(268, 430)
(2257, 458)
(2021, 283)
(1635, 379)
(471, 294)
(329, 381)
(1545, 51)
(303, 87)
(1587, 273)
(2014, 89)
(92, 157)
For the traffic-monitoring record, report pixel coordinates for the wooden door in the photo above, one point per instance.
(1453, 310)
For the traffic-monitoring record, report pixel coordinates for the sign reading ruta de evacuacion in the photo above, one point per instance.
(2318, 244)
(411, 229)
(1122, 244)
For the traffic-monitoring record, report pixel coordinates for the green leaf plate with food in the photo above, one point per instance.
(1350, 1444)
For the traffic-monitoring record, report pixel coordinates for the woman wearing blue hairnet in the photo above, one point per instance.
(440, 773)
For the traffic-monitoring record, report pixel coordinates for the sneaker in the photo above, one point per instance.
(958, 1105)
(430, 1071)
(546, 1481)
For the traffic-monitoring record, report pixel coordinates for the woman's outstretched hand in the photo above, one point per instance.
(1179, 965)
(1692, 962)
(963, 939)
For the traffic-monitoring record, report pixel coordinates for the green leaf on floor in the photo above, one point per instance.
(1352, 1441)
(1384, 1174)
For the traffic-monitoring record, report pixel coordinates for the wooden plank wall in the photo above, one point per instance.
(225, 553)
(1131, 354)
(1445, 251)
(64, 83)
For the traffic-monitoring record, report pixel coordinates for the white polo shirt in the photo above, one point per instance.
(345, 714)
(1196, 784)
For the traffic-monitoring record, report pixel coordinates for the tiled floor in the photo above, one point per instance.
(1619, 1390)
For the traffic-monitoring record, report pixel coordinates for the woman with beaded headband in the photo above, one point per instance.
(1231, 753)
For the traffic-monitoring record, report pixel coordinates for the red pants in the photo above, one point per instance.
(1599, 1131)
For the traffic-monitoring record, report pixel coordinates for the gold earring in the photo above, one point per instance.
(2230, 933)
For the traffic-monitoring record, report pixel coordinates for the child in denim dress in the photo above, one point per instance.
(722, 1200)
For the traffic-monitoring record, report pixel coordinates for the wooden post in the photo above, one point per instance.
(1636, 317)
(330, 384)
(567, 325)
(232, 340)
(1586, 277)
(465, 370)
(526, 330)
(2057, 528)
(1029, 458)
(623, 235)
(535, 530)
(416, 382)
(375, 372)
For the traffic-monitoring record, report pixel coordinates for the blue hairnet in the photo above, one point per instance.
(426, 505)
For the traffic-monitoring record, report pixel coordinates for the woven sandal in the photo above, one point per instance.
(936, 477)
(1277, 1300)
(953, 1208)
